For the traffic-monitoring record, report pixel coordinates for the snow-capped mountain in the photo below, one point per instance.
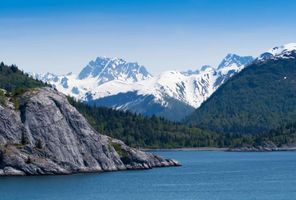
(235, 61)
(97, 72)
(284, 51)
(107, 69)
(129, 86)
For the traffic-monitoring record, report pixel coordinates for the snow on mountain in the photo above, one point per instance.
(112, 77)
(107, 69)
(283, 51)
(191, 89)
(97, 72)
(235, 61)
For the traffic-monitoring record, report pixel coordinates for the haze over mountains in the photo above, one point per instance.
(123, 85)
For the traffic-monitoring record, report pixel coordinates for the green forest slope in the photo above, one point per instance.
(260, 98)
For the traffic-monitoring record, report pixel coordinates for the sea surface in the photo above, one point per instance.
(203, 176)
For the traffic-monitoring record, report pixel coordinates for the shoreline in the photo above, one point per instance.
(188, 149)
(279, 149)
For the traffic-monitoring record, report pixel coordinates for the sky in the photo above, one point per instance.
(62, 36)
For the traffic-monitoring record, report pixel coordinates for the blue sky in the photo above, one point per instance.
(64, 35)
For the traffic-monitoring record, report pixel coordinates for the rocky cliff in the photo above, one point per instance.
(41, 134)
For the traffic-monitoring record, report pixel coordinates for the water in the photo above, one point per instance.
(203, 176)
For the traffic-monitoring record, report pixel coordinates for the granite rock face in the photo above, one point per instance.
(46, 135)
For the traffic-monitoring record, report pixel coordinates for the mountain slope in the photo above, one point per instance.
(128, 86)
(258, 99)
(145, 104)
(235, 61)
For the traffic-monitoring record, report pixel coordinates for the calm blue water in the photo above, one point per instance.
(203, 176)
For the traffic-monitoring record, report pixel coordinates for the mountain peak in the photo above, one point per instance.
(282, 51)
(106, 59)
(235, 60)
(106, 69)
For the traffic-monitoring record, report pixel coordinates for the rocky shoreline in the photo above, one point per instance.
(42, 134)
(10, 171)
(261, 149)
(266, 146)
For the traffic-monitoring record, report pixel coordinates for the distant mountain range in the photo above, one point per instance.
(260, 98)
(123, 85)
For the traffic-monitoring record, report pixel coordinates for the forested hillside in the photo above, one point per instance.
(260, 98)
(283, 136)
(14, 80)
(148, 132)
(155, 132)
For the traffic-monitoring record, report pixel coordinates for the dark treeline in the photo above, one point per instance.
(148, 132)
(284, 135)
(155, 132)
(16, 81)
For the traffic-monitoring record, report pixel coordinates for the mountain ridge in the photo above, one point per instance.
(187, 88)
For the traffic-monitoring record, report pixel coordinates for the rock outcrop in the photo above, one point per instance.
(42, 134)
